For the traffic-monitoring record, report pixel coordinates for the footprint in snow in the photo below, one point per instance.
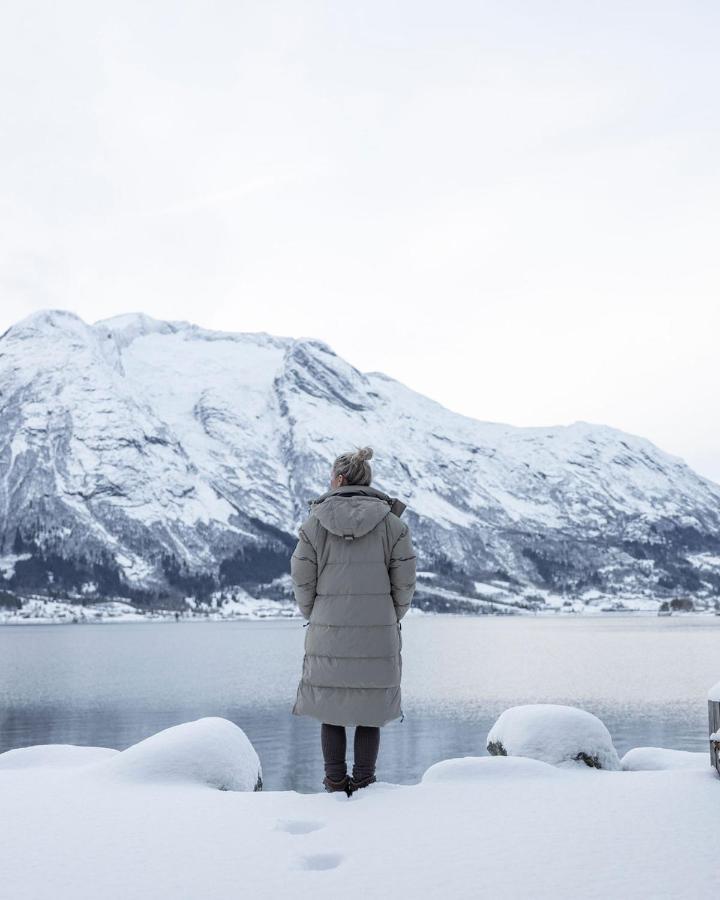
(299, 826)
(319, 862)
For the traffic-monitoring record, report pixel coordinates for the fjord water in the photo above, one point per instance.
(112, 685)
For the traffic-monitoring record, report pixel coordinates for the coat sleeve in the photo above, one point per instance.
(303, 571)
(402, 572)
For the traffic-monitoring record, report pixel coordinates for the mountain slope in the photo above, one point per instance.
(158, 459)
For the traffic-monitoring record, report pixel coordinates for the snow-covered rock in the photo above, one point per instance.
(210, 751)
(558, 735)
(54, 756)
(145, 456)
(641, 759)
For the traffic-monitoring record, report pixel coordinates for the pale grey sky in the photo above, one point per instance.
(512, 207)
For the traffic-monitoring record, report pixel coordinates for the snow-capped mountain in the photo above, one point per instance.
(156, 460)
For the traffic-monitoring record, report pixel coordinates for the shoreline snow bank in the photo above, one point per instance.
(210, 752)
(43, 611)
(653, 759)
(54, 756)
(38, 610)
(213, 752)
(474, 827)
(474, 768)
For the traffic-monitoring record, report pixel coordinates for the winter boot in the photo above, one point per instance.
(356, 784)
(332, 786)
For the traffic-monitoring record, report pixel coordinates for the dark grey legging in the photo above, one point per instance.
(334, 747)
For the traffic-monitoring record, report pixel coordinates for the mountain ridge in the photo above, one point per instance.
(154, 460)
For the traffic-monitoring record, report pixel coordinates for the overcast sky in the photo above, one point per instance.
(513, 207)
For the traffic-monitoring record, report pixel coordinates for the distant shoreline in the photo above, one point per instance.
(139, 618)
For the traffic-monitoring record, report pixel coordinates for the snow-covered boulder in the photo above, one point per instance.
(53, 756)
(474, 768)
(559, 735)
(641, 759)
(211, 751)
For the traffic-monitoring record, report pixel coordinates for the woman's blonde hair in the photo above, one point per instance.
(354, 467)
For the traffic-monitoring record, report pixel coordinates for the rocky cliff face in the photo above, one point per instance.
(156, 460)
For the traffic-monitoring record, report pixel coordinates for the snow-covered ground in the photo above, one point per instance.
(176, 817)
(40, 610)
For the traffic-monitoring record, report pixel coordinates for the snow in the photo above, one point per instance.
(475, 768)
(233, 603)
(243, 605)
(38, 610)
(210, 751)
(53, 756)
(707, 561)
(642, 759)
(554, 734)
(41, 611)
(474, 827)
(149, 436)
(134, 567)
(487, 590)
(8, 561)
(714, 693)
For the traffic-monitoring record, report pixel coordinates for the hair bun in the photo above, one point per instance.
(364, 453)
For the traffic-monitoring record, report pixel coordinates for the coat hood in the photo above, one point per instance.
(353, 510)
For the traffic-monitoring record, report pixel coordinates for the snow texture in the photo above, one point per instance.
(558, 735)
(210, 751)
(53, 756)
(475, 768)
(494, 827)
(645, 759)
(714, 693)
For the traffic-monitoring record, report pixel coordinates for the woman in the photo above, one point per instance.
(353, 574)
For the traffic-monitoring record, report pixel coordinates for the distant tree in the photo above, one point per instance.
(178, 575)
(682, 604)
(18, 543)
(9, 601)
(442, 564)
(255, 564)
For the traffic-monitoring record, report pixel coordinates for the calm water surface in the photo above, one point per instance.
(112, 685)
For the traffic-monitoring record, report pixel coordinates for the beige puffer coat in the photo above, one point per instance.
(353, 574)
